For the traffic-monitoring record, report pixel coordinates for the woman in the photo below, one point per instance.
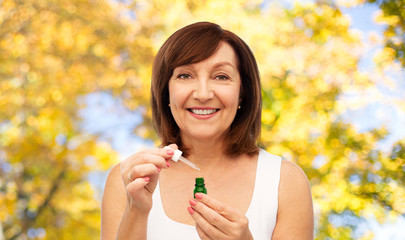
(206, 101)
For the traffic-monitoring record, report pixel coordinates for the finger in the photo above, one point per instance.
(146, 170)
(159, 157)
(229, 213)
(168, 153)
(210, 215)
(131, 170)
(142, 170)
(173, 146)
(164, 152)
(201, 233)
(136, 187)
(204, 228)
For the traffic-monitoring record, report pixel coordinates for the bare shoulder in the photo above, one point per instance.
(292, 176)
(113, 203)
(114, 184)
(295, 219)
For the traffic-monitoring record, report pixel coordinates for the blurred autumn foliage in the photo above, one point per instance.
(393, 15)
(55, 52)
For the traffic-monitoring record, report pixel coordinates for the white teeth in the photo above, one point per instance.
(203, 112)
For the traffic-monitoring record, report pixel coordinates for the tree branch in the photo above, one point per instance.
(41, 208)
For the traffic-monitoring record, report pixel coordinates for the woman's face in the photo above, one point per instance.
(204, 96)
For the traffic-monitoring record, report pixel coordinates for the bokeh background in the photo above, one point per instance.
(75, 88)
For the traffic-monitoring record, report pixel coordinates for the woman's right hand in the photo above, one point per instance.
(140, 174)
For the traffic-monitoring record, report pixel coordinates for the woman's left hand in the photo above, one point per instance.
(215, 220)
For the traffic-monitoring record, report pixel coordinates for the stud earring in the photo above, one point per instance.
(239, 107)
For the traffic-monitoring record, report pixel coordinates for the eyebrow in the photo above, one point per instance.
(215, 66)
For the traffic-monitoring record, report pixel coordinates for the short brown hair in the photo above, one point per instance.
(192, 44)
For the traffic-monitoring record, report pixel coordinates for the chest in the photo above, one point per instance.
(232, 185)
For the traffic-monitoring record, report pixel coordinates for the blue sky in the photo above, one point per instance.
(376, 113)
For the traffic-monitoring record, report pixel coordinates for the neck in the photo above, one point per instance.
(206, 153)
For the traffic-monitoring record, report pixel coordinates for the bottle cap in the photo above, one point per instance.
(177, 153)
(199, 181)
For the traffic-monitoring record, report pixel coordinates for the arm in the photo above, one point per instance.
(115, 214)
(127, 197)
(295, 217)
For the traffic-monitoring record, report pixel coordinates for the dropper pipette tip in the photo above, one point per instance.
(186, 161)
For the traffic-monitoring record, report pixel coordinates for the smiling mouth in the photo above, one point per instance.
(203, 111)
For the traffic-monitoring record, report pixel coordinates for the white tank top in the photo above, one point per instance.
(262, 211)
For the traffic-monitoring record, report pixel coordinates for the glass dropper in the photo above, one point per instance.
(177, 156)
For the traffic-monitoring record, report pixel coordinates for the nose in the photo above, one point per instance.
(203, 91)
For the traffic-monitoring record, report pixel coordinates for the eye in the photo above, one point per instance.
(221, 77)
(183, 76)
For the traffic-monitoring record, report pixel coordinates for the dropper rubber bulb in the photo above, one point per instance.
(177, 156)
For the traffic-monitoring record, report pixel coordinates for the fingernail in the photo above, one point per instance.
(167, 164)
(170, 151)
(190, 210)
(146, 179)
(158, 169)
(192, 202)
(199, 196)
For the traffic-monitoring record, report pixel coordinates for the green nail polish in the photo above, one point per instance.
(199, 186)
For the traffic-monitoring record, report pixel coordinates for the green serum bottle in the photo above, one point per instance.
(199, 186)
